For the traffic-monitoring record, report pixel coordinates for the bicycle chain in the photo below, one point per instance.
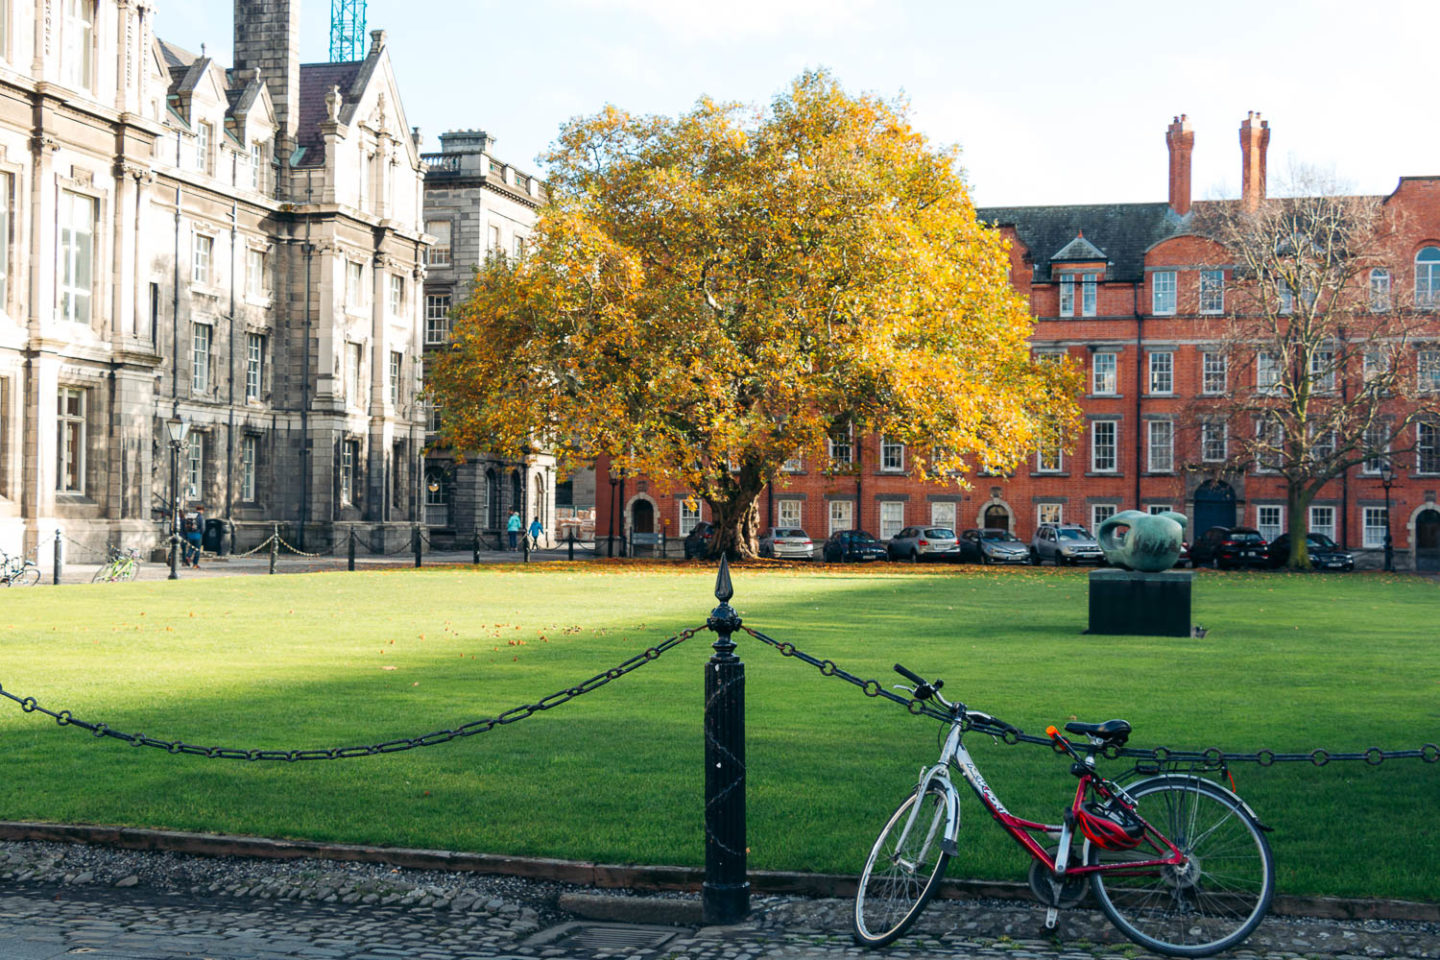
(100, 730)
(1211, 758)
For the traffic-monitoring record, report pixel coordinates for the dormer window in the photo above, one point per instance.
(76, 57)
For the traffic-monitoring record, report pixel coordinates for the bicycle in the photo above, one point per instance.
(122, 566)
(18, 571)
(1178, 863)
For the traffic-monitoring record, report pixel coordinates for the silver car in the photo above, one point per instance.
(993, 545)
(914, 544)
(1063, 543)
(787, 543)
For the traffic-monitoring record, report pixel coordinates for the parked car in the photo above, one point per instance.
(923, 543)
(1227, 547)
(1325, 554)
(848, 546)
(1184, 559)
(1063, 543)
(697, 541)
(993, 545)
(787, 543)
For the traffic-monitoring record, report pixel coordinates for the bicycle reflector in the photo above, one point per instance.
(1112, 829)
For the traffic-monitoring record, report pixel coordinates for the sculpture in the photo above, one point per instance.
(1152, 543)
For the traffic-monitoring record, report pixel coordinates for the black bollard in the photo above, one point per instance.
(475, 559)
(571, 538)
(59, 557)
(415, 542)
(274, 547)
(350, 551)
(725, 894)
(525, 546)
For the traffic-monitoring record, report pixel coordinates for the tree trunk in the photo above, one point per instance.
(1298, 525)
(737, 526)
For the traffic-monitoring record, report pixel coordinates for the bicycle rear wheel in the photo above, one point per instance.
(27, 577)
(903, 870)
(103, 575)
(1212, 902)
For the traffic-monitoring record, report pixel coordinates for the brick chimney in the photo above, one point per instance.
(1254, 141)
(1181, 141)
(267, 38)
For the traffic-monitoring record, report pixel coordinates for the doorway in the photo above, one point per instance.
(997, 517)
(1427, 541)
(1214, 507)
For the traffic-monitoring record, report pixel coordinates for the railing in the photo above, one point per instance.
(441, 164)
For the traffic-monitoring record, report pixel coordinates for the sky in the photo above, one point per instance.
(1049, 102)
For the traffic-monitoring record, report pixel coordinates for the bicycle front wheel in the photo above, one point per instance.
(1210, 903)
(103, 574)
(904, 868)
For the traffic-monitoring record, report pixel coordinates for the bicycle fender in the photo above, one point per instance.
(952, 813)
(1177, 778)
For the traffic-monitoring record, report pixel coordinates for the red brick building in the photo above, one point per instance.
(1123, 290)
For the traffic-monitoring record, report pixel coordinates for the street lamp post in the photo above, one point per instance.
(1387, 479)
(178, 430)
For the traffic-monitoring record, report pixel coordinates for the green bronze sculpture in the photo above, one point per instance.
(1152, 543)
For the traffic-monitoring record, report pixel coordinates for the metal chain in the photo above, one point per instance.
(298, 552)
(104, 558)
(255, 549)
(1212, 758)
(65, 719)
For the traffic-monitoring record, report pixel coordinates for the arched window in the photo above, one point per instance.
(1427, 278)
(1379, 289)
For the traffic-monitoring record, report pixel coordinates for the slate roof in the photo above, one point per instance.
(316, 79)
(1123, 231)
(175, 56)
(1078, 249)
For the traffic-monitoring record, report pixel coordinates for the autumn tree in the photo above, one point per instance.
(706, 296)
(1319, 344)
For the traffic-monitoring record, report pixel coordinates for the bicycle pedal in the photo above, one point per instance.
(1052, 917)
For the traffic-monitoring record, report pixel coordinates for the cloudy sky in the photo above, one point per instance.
(1049, 102)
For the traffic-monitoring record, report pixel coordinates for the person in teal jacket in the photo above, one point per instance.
(512, 527)
(536, 532)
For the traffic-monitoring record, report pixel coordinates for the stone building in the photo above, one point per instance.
(235, 249)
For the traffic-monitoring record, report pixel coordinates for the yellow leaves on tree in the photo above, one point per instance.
(730, 287)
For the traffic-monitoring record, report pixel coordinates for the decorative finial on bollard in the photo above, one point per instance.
(724, 590)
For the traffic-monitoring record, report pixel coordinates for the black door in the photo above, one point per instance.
(997, 517)
(642, 517)
(1427, 541)
(1214, 507)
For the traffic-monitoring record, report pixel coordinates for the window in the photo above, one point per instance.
(76, 56)
(70, 475)
(354, 284)
(397, 360)
(349, 457)
(892, 518)
(254, 365)
(1049, 513)
(1161, 446)
(1050, 458)
(1427, 278)
(1103, 373)
(1322, 521)
(1214, 442)
(892, 454)
(1157, 508)
(1269, 445)
(1379, 290)
(1067, 295)
(1099, 513)
(6, 187)
(494, 248)
(1087, 294)
(1212, 291)
(1376, 363)
(200, 336)
(1377, 442)
(1427, 366)
(203, 146)
(397, 295)
(1267, 521)
(1427, 447)
(194, 464)
(257, 263)
(1267, 372)
(1322, 370)
(249, 451)
(1214, 373)
(519, 248)
(434, 423)
(200, 259)
(788, 512)
(840, 447)
(1102, 446)
(354, 381)
(1162, 292)
(437, 318)
(1287, 300)
(439, 253)
(842, 515)
(77, 251)
(793, 465)
(689, 516)
(258, 179)
(1162, 372)
(1322, 447)
(1377, 525)
(942, 514)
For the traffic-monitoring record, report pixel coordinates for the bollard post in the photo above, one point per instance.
(350, 551)
(572, 543)
(475, 550)
(415, 543)
(525, 546)
(59, 557)
(174, 556)
(274, 547)
(725, 894)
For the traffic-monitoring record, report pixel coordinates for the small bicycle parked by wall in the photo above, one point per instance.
(18, 571)
(122, 567)
(1177, 862)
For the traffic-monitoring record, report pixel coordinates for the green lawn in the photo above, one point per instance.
(1290, 663)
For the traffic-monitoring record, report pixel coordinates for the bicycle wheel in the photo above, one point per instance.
(902, 873)
(1212, 902)
(103, 574)
(128, 570)
(27, 577)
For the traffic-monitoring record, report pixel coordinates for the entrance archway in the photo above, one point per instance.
(997, 516)
(1214, 507)
(1427, 540)
(642, 517)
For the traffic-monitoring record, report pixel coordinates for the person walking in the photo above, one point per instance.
(536, 532)
(194, 535)
(512, 527)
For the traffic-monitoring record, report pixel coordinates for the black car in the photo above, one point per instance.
(849, 546)
(1325, 554)
(1228, 547)
(697, 541)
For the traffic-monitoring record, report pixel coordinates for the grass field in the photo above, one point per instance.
(1290, 663)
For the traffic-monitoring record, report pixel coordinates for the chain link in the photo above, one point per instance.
(104, 557)
(255, 549)
(1212, 758)
(301, 553)
(515, 714)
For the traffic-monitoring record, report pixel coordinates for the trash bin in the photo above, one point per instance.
(217, 536)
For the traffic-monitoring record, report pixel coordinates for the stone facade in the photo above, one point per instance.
(238, 249)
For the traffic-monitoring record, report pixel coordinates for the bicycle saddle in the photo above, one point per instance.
(1111, 731)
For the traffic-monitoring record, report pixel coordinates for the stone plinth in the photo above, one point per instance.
(1131, 602)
